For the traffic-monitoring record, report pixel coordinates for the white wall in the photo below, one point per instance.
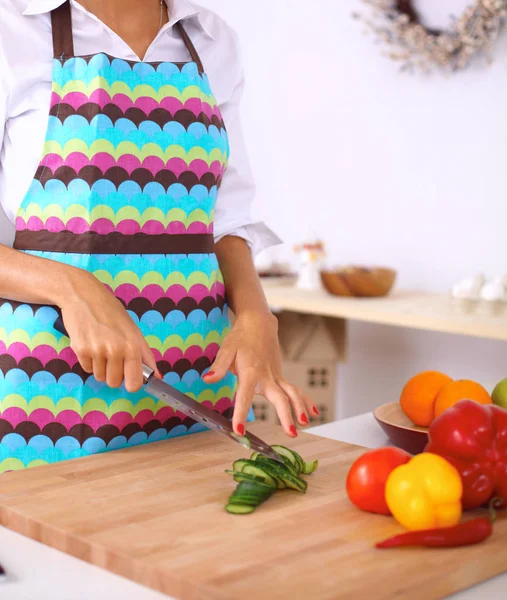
(393, 169)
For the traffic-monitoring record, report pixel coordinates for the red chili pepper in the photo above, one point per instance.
(464, 534)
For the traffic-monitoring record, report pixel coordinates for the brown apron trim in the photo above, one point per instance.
(61, 22)
(190, 47)
(114, 243)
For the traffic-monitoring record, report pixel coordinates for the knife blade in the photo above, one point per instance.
(194, 410)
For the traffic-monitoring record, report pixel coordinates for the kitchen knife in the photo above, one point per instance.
(196, 411)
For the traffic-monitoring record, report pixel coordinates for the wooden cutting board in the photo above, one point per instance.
(155, 514)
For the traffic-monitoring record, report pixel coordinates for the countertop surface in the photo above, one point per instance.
(401, 308)
(38, 572)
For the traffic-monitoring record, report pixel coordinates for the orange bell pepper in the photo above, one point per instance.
(425, 493)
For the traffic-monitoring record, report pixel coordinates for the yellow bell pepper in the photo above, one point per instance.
(425, 493)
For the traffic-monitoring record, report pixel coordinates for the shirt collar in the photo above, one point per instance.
(180, 9)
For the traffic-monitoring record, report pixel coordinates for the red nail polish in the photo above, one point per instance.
(293, 431)
(316, 410)
(209, 374)
(304, 419)
(241, 429)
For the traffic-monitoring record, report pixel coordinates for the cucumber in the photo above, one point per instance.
(290, 466)
(300, 461)
(245, 501)
(239, 509)
(254, 488)
(286, 469)
(310, 467)
(257, 471)
(283, 473)
(286, 463)
(267, 466)
(259, 477)
(239, 477)
(296, 483)
(297, 462)
(285, 452)
(238, 465)
(243, 440)
(254, 467)
(250, 493)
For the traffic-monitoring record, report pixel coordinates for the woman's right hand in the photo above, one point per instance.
(105, 339)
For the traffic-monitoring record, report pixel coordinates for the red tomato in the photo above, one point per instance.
(367, 478)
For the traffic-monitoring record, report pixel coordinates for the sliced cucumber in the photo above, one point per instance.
(283, 473)
(243, 440)
(254, 488)
(254, 467)
(278, 467)
(261, 459)
(267, 466)
(285, 452)
(290, 466)
(295, 483)
(259, 477)
(300, 461)
(239, 477)
(257, 471)
(250, 493)
(297, 462)
(238, 465)
(310, 467)
(244, 501)
(239, 509)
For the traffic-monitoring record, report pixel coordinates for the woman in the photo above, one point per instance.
(115, 229)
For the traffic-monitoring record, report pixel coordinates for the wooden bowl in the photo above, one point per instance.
(359, 282)
(400, 429)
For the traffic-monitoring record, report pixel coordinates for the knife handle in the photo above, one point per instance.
(60, 327)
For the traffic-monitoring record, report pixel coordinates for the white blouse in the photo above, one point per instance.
(26, 53)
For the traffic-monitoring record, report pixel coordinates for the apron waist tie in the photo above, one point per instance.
(114, 243)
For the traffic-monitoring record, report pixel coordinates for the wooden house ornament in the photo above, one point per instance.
(311, 347)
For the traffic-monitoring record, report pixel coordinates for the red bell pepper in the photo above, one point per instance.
(473, 438)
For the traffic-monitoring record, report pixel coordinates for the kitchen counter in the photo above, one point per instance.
(38, 572)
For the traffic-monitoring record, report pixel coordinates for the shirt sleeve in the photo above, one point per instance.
(3, 120)
(233, 208)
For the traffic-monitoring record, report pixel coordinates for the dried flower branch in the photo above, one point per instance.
(396, 23)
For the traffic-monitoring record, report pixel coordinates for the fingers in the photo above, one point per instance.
(86, 363)
(147, 357)
(136, 355)
(118, 362)
(246, 389)
(133, 369)
(114, 370)
(99, 367)
(302, 405)
(221, 365)
(275, 394)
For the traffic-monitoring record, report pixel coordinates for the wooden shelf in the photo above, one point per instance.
(416, 310)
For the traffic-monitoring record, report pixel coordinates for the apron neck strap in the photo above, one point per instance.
(63, 42)
(190, 47)
(61, 21)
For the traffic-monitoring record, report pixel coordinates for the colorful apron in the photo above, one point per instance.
(133, 160)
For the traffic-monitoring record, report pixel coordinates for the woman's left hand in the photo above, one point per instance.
(251, 352)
